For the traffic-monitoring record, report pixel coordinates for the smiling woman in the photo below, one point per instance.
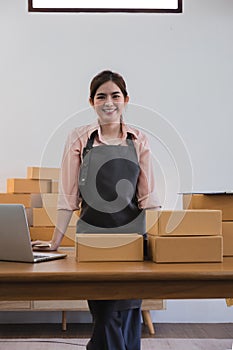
(171, 6)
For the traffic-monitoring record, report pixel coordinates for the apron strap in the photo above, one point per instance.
(90, 142)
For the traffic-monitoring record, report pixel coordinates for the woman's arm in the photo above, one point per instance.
(68, 199)
(63, 219)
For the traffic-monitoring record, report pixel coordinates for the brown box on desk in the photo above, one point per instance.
(28, 186)
(152, 218)
(227, 233)
(190, 223)
(186, 249)
(43, 173)
(218, 201)
(184, 222)
(28, 200)
(109, 247)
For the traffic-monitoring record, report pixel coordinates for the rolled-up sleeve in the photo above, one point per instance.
(146, 189)
(68, 184)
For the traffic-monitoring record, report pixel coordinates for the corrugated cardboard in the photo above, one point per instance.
(28, 200)
(29, 215)
(46, 233)
(152, 217)
(49, 200)
(184, 222)
(48, 217)
(109, 247)
(219, 201)
(190, 223)
(227, 232)
(28, 186)
(153, 304)
(43, 173)
(55, 187)
(186, 249)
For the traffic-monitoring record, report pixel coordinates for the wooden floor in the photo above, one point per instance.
(163, 330)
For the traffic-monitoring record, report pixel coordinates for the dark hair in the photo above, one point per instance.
(104, 77)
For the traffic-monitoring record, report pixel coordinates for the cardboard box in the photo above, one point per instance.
(55, 187)
(49, 200)
(218, 201)
(28, 200)
(227, 232)
(29, 214)
(153, 304)
(184, 222)
(152, 217)
(28, 186)
(46, 233)
(43, 173)
(109, 247)
(190, 223)
(186, 249)
(48, 217)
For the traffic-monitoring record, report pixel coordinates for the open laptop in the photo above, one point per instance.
(15, 242)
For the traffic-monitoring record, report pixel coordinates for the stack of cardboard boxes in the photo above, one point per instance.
(219, 201)
(38, 192)
(224, 202)
(185, 236)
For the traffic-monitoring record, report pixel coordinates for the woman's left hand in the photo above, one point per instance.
(42, 245)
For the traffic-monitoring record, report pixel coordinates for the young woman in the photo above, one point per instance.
(107, 171)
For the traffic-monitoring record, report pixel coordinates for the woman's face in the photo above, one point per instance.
(109, 103)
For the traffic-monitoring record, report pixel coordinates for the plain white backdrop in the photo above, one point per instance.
(179, 72)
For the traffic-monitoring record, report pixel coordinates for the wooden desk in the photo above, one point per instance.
(68, 280)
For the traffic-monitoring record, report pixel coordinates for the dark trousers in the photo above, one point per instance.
(114, 330)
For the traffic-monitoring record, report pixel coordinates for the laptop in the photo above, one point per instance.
(15, 241)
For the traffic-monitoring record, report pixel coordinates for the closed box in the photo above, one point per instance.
(49, 200)
(152, 217)
(153, 304)
(190, 223)
(28, 186)
(109, 247)
(46, 233)
(28, 200)
(55, 187)
(43, 173)
(227, 233)
(186, 249)
(218, 201)
(29, 214)
(48, 217)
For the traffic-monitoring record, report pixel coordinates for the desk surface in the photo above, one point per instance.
(66, 279)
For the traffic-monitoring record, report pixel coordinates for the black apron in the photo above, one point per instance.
(108, 187)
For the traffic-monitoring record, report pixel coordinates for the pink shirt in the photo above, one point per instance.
(69, 196)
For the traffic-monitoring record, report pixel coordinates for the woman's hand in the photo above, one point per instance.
(43, 245)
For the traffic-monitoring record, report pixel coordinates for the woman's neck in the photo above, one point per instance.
(111, 131)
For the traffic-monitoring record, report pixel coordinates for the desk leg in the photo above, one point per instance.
(64, 323)
(147, 321)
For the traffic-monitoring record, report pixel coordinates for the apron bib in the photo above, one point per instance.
(107, 184)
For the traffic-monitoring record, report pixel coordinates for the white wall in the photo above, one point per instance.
(179, 70)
